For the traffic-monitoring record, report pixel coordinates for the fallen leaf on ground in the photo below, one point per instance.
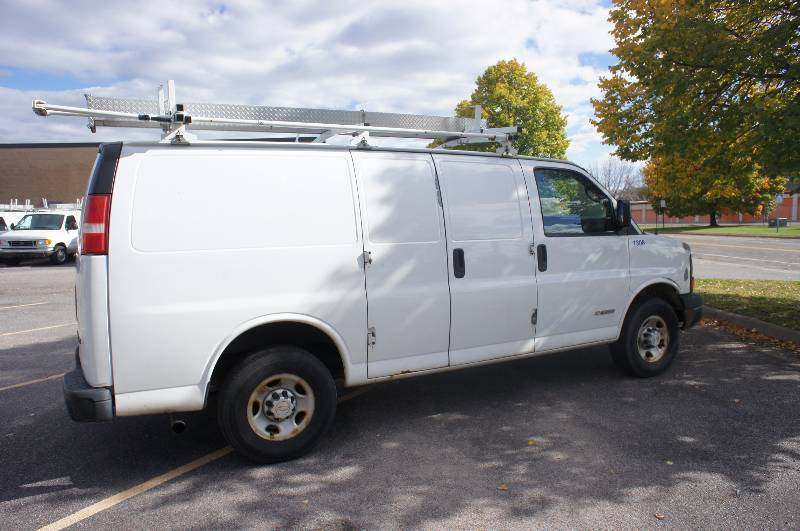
(758, 337)
(531, 442)
(670, 463)
(660, 516)
(503, 487)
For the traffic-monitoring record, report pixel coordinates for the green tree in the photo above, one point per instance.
(510, 95)
(694, 70)
(695, 186)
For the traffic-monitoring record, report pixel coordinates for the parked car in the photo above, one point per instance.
(356, 265)
(46, 234)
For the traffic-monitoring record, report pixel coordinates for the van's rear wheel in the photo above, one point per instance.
(276, 404)
(649, 339)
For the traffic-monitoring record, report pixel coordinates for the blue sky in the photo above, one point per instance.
(411, 56)
(25, 79)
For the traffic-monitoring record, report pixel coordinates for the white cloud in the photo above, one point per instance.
(418, 56)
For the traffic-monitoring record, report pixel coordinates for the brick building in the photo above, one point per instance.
(56, 172)
(642, 212)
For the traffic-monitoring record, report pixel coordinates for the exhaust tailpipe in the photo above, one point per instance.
(178, 425)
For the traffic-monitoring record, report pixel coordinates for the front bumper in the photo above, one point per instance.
(692, 309)
(25, 253)
(84, 402)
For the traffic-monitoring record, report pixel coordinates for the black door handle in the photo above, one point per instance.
(541, 256)
(459, 266)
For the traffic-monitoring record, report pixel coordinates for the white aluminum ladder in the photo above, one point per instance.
(177, 119)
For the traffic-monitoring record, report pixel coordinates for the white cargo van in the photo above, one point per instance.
(41, 234)
(352, 264)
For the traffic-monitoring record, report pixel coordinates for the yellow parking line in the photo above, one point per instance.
(111, 501)
(22, 305)
(23, 384)
(355, 393)
(36, 329)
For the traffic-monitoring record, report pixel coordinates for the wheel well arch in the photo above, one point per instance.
(299, 331)
(664, 290)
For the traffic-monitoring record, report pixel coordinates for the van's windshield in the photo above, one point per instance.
(40, 222)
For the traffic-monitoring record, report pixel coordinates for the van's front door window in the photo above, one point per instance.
(572, 204)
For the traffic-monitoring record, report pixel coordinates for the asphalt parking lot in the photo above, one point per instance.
(556, 441)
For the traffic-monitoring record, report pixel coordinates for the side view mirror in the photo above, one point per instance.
(623, 214)
(12, 226)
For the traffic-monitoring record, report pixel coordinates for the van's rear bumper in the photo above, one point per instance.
(692, 309)
(84, 402)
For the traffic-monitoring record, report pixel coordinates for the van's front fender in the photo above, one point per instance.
(662, 283)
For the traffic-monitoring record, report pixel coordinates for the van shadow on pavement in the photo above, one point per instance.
(557, 439)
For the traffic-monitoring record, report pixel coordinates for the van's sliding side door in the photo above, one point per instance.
(492, 275)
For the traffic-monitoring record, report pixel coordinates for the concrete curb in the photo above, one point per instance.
(768, 329)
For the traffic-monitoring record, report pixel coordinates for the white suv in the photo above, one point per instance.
(354, 265)
(52, 234)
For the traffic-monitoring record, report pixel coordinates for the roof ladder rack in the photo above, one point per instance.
(176, 120)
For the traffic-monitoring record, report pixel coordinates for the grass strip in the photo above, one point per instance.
(730, 230)
(773, 301)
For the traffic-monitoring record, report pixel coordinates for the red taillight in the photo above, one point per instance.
(94, 226)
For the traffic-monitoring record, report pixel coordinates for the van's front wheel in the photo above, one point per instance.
(649, 339)
(59, 255)
(276, 404)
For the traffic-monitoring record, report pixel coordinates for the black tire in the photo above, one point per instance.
(12, 262)
(235, 410)
(59, 255)
(631, 355)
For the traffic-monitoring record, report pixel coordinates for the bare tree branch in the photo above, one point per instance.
(619, 177)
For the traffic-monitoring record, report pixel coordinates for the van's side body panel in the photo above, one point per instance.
(91, 283)
(488, 222)
(91, 306)
(406, 269)
(585, 289)
(205, 240)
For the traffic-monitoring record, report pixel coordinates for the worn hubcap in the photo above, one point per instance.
(653, 339)
(280, 407)
(280, 404)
